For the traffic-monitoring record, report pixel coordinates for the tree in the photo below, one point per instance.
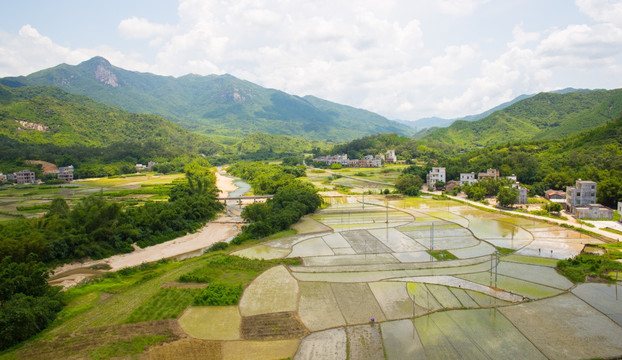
(552, 207)
(507, 196)
(439, 185)
(409, 184)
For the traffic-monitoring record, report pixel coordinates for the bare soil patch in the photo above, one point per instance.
(79, 344)
(181, 285)
(273, 326)
(46, 167)
(186, 349)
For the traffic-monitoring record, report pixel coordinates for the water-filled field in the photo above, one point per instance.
(372, 284)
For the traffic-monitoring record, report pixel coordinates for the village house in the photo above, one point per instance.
(620, 209)
(467, 178)
(489, 174)
(24, 177)
(2, 177)
(65, 173)
(556, 196)
(512, 178)
(451, 184)
(436, 174)
(522, 194)
(391, 158)
(150, 165)
(581, 201)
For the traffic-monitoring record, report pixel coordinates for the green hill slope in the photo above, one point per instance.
(48, 115)
(222, 105)
(544, 116)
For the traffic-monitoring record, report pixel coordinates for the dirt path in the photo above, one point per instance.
(221, 229)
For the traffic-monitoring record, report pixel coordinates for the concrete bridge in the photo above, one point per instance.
(239, 199)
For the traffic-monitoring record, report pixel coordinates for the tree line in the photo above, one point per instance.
(95, 227)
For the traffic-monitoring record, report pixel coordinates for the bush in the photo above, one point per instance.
(219, 295)
(221, 245)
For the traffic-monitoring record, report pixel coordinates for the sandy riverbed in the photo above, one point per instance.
(220, 229)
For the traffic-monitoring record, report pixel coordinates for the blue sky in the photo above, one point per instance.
(401, 59)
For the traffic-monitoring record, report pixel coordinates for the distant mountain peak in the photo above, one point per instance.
(102, 71)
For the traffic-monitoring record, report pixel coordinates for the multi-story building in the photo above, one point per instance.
(467, 178)
(436, 174)
(65, 173)
(522, 193)
(25, 177)
(582, 194)
(391, 158)
(581, 201)
(489, 174)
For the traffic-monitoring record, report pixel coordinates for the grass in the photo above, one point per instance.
(613, 230)
(583, 265)
(165, 304)
(504, 251)
(126, 347)
(227, 277)
(442, 255)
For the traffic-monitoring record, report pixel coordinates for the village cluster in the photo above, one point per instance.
(578, 200)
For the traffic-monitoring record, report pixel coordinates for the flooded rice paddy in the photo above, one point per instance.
(369, 286)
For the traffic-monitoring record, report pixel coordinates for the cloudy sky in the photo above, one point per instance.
(402, 59)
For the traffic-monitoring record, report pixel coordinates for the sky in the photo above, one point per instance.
(402, 59)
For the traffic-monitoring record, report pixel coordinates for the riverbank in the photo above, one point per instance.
(221, 229)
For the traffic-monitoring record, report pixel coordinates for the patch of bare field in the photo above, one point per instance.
(259, 350)
(274, 326)
(181, 285)
(212, 322)
(79, 344)
(365, 342)
(187, 349)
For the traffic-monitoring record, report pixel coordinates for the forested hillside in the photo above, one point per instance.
(544, 116)
(47, 123)
(213, 104)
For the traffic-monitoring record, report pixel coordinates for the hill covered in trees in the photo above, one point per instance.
(213, 104)
(47, 123)
(543, 116)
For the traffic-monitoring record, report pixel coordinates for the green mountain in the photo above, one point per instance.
(49, 115)
(543, 116)
(277, 144)
(213, 104)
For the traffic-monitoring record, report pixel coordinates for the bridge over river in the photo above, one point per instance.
(239, 199)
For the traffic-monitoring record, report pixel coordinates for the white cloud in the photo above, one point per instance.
(602, 10)
(367, 54)
(141, 28)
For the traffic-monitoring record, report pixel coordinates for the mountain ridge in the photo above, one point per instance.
(212, 104)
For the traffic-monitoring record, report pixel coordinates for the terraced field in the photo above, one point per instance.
(368, 288)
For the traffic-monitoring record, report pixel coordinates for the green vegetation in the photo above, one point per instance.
(292, 199)
(46, 123)
(165, 304)
(507, 196)
(442, 255)
(594, 265)
(94, 227)
(227, 276)
(215, 105)
(544, 116)
(136, 345)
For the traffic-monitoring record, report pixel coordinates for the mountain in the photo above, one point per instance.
(543, 116)
(49, 115)
(213, 104)
(259, 142)
(436, 122)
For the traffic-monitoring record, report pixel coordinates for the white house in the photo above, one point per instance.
(436, 174)
(467, 178)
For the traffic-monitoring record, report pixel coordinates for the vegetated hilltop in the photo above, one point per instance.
(42, 115)
(544, 116)
(213, 104)
(47, 123)
(278, 144)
